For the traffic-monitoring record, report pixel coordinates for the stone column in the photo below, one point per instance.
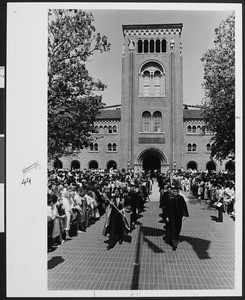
(131, 99)
(172, 63)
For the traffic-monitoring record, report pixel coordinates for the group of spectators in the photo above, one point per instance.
(77, 198)
(217, 188)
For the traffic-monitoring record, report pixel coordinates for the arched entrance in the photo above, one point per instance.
(230, 166)
(111, 164)
(75, 165)
(57, 164)
(152, 159)
(211, 166)
(192, 165)
(93, 165)
(151, 162)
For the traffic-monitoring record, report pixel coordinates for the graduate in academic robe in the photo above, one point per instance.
(175, 212)
(116, 223)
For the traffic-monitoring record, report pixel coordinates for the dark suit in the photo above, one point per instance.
(133, 202)
(175, 209)
(163, 198)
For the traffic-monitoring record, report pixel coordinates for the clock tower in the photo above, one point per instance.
(152, 97)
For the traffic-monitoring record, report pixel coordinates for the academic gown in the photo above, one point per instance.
(115, 224)
(175, 209)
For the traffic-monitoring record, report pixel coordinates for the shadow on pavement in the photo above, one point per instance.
(154, 247)
(143, 232)
(214, 218)
(151, 231)
(136, 271)
(200, 246)
(55, 261)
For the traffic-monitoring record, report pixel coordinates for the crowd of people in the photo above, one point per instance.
(218, 189)
(77, 198)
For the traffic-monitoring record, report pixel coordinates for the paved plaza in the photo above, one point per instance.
(204, 260)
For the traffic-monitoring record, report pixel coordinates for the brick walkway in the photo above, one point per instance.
(204, 260)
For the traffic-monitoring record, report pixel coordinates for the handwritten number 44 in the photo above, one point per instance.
(25, 181)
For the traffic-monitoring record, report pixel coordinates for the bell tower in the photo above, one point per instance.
(152, 97)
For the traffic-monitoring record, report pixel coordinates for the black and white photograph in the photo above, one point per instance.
(124, 126)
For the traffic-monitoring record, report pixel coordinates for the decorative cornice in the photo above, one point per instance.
(194, 121)
(152, 29)
(107, 121)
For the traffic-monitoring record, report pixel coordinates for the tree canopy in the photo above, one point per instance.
(72, 102)
(219, 86)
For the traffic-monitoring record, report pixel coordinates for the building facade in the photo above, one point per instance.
(152, 129)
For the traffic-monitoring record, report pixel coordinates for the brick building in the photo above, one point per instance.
(151, 129)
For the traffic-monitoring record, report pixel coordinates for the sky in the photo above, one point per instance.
(197, 37)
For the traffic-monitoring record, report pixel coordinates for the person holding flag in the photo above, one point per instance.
(116, 223)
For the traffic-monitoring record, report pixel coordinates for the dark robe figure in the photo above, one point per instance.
(133, 202)
(175, 210)
(116, 224)
(164, 195)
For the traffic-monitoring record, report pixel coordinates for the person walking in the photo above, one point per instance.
(175, 212)
(164, 194)
(219, 203)
(115, 224)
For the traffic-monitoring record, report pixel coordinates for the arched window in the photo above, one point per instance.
(146, 80)
(210, 166)
(208, 147)
(158, 46)
(164, 46)
(110, 129)
(91, 147)
(151, 46)
(152, 80)
(157, 121)
(230, 166)
(189, 129)
(75, 165)
(101, 130)
(109, 147)
(146, 116)
(145, 46)
(189, 147)
(96, 129)
(96, 147)
(111, 164)
(114, 147)
(157, 83)
(194, 129)
(93, 164)
(192, 165)
(198, 129)
(57, 164)
(139, 46)
(105, 129)
(115, 129)
(194, 147)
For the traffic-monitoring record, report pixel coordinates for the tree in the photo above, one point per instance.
(219, 85)
(72, 102)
